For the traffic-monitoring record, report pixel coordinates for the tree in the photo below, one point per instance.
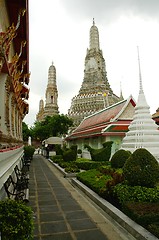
(56, 125)
(25, 131)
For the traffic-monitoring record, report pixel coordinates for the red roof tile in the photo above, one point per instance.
(101, 117)
(101, 122)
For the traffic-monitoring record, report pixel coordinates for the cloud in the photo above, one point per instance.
(59, 32)
(106, 10)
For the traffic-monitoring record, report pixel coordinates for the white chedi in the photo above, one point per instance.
(143, 131)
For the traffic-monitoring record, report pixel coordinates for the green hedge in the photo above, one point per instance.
(143, 213)
(16, 220)
(28, 152)
(102, 154)
(127, 193)
(89, 165)
(94, 180)
(70, 154)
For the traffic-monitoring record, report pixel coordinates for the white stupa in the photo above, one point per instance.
(143, 131)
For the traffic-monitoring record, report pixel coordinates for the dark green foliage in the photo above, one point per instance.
(16, 220)
(28, 152)
(79, 151)
(25, 131)
(86, 165)
(71, 154)
(107, 169)
(58, 149)
(95, 180)
(141, 168)
(127, 193)
(102, 154)
(145, 214)
(142, 213)
(119, 158)
(51, 126)
(57, 158)
(154, 228)
(72, 169)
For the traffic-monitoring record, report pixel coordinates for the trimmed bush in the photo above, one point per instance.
(126, 193)
(141, 168)
(58, 149)
(95, 180)
(89, 165)
(71, 154)
(102, 154)
(119, 158)
(28, 152)
(16, 220)
(142, 213)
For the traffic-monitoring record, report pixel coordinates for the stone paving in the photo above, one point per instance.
(61, 212)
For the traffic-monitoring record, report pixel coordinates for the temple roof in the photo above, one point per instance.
(14, 7)
(109, 121)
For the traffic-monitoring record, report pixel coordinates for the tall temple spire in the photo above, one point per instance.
(143, 131)
(51, 96)
(94, 37)
(95, 92)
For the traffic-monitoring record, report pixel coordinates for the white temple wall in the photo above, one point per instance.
(8, 161)
(97, 143)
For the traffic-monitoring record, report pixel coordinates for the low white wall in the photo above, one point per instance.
(86, 154)
(8, 160)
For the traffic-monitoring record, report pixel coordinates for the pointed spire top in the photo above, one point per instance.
(93, 22)
(140, 77)
(121, 94)
(94, 37)
(52, 63)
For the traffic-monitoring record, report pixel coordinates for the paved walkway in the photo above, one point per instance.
(60, 211)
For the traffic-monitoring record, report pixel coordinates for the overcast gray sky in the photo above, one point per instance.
(59, 32)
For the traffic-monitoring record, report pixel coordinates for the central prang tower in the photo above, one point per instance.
(95, 92)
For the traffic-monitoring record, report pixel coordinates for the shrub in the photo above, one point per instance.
(58, 149)
(154, 229)
(28, 152)
(126, 193)
(71, 154)
(119, 158)
(16, 220)
(94, 179)
(141, 168)
(56, 158)
(102, 154)
(72, 169)
(88, 165)
(79, 151)
(142, 213)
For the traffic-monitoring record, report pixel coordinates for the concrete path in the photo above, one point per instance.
(63, 213)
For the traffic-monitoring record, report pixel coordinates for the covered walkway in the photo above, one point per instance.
(61, 212)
